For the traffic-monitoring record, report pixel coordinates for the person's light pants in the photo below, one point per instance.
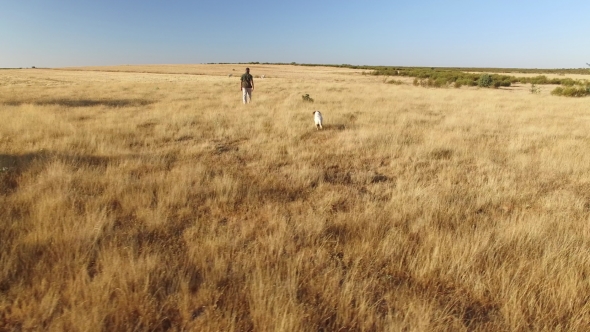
(246, 95)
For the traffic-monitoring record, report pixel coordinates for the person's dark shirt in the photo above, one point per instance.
(246, 80)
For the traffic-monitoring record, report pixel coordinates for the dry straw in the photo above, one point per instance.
(150, 198)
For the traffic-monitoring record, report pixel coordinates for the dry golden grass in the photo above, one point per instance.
(138, 201)
(270, 71)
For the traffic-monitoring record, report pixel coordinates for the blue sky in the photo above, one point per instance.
(461, 33)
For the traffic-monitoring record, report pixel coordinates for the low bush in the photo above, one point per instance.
(468, 82)
(571, 91)
(557, 91)
(440, 82)
(568, 82)
(485, 81)
(396, 82)
(541, 79)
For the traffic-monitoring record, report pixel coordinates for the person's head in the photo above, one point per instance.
(247, 70)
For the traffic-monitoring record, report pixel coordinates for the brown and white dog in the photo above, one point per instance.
(317, 119)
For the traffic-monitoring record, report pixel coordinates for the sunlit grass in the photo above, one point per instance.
(140, 201)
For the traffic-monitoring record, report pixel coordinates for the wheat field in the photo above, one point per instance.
(148, 198)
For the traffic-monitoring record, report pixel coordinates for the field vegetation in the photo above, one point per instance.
(575, 84)
(435, 77)
(148, 198)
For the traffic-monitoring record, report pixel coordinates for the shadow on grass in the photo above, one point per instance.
(86, 102)
(23, 161)
(13, 165)
(313, 134)
(336, 126)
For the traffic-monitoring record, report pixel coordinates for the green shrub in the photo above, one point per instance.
(463, 81)
(541, 79)
(575, 92)
(485, 81)
(568, 82)
(557, 91)
(440, 82)
(571, 91)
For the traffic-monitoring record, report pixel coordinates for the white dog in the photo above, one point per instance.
(317, 118)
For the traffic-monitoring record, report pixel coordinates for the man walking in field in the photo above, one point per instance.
(247, 85)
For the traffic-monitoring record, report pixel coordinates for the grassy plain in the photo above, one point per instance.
(149, 198)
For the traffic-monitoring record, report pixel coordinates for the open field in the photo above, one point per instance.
(270, 71)
(149, 198)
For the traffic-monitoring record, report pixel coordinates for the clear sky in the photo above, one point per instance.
(451, 33)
